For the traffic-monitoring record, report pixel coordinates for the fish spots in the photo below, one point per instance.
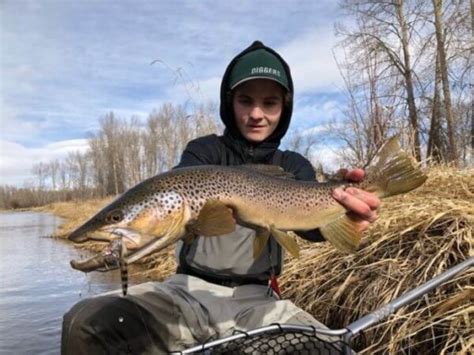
(194, 186)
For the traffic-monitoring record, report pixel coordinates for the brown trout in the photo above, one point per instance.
(209, 200)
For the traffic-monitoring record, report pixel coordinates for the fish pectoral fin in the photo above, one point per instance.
(343, 233)
(286, 241)
(215, 218)
(260, 241)
(155, 245)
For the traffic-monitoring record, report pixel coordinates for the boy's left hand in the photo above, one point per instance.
(362, 204)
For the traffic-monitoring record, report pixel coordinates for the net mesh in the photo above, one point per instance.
(279, 342)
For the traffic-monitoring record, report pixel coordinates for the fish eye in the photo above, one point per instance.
(114, 216)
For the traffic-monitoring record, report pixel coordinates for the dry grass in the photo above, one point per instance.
(418, 236)
(74, 213)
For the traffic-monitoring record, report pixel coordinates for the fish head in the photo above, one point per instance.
(117, 214)
(111, 217)
(132, 215)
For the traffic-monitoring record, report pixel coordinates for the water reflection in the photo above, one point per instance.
(37, 285)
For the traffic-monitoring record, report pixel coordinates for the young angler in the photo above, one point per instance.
(219, 286)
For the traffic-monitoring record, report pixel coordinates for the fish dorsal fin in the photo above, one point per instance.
(286, 241)
(270, 170)
(343, 233)
(215, 218)
(261, 239)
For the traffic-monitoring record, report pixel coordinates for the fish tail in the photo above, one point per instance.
(393, 171)
(123, 268)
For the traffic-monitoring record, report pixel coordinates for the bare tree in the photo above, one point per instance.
(133, 152)
(383, 28)
(303, 142)
(150, 145)
(435, 148)
(41, 171)
(394, 44)
(53, 170)
(63, 176)
(78, 168)
(372, 93)
(441, 57)
(111, 129)
(471, 52)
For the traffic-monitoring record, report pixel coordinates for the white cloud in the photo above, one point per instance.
(328, 156)
(311, 113)
(60, 149)
(311, 60)
(17, 160)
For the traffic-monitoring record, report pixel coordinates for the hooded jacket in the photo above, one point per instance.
(213, 258)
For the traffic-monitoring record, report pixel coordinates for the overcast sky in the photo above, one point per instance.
(66, 63)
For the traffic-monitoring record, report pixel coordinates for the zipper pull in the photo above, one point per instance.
(273, 285)
(251, 151)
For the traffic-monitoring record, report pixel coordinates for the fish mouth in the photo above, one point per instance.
(109, 258)
(107, 233)
(136, 246)
(81, 234)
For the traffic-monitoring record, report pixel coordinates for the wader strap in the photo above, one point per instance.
(228, 282)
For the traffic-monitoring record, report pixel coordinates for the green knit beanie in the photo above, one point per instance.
(258, 64)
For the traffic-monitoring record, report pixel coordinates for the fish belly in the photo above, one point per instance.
(292, 217)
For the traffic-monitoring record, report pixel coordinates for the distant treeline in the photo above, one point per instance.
(121, 154)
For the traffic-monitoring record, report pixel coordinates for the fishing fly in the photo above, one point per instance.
(123, 266)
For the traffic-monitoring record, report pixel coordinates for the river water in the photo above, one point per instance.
(37, 285)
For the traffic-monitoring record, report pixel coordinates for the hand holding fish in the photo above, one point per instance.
(362, 205)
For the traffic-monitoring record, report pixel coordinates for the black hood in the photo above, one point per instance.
(251, 152)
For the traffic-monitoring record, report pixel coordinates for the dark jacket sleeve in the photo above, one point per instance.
(302, 169)
(200, 151)
(298, 165)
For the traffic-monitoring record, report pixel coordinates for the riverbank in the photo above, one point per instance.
(73, 212)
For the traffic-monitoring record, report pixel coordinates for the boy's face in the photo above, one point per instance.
(257, 105)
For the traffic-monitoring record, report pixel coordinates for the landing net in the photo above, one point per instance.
(277, 339)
